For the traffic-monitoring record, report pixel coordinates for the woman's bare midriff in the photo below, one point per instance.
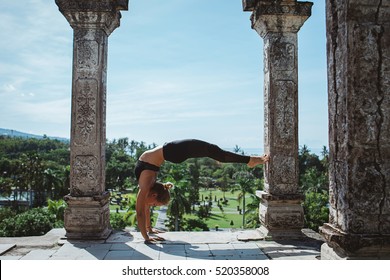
(154, 156)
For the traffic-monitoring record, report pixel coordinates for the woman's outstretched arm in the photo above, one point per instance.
(142, 207)
(141, 214)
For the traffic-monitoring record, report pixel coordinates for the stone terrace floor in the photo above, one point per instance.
(129, 245)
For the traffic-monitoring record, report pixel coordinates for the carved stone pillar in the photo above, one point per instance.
(358, 44)
(88, 214)
(278, 23)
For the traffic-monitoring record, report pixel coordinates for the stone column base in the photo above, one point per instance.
(87, 217)
(281, 216)
(347, 246)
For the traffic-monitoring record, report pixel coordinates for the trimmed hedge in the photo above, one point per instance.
(34, 222)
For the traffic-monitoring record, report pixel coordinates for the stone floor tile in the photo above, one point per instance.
(61, 258)
(140, 256)
(254, 257)
(10, 258)
(97, 253)
(197, 247)
(226, 257)
(99, 247)
(39, 254)
(172, 255)
(120, 237)
(218, 246)
(121, 247)
(198, 251)
(120, 255)
(86, 256)
(246, 245)
(150, 251)
(6, 247)
(68, 249)
(173, 248)
(72, 252)
(227, 252)
(193, 258)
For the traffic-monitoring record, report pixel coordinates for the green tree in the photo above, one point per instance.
(252, 212)
(179, 205)
(52, 182)
(194, 174)
(119, 168)
(316, 209)
(244, 184)
(32, 177)
(314, 184)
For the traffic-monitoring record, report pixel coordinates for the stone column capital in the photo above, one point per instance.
(93, 14)
(283, 16)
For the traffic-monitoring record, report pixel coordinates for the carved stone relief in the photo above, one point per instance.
(85, 217)
(285, 220)
(282, 215)
(283, 55)
(85, 174)
(87, 54)
(285, 116)
(86, 108)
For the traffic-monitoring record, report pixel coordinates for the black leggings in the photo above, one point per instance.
(179, 151)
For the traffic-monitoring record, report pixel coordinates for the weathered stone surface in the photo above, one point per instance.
(358, 38)
(281, 112)
(278, 22)
(87, 217)
(92, 21)
(248, 5)
(104, 14)
(281, 216)
(354, 246)
(278, 16)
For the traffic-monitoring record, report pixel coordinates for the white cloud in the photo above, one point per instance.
(8, 88)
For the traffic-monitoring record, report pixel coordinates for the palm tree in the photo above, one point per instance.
(252, 212)
(244, 184)
(52, 182)
(179, 205)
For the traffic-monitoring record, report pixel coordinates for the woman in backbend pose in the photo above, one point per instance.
(153, 193)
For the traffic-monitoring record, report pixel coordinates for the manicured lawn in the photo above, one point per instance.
(230, 209)
(222, 220)
(230, 217)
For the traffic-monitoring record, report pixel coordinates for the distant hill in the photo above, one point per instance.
(15, 133)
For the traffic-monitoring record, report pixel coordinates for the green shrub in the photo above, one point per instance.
(117, 221)
(36, 221)
(6, 212)
(56, 208)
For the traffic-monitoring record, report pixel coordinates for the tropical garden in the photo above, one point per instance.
(34, 178)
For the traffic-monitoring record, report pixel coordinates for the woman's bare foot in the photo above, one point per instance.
(256, 160)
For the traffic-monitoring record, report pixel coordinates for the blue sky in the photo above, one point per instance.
(176, 69)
